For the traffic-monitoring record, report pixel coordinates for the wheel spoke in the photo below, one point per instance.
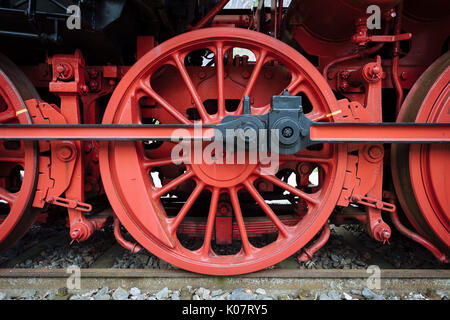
(220, 80)
(152, 163)
(210, 223)
(266, 208)
(175, 222)
(251, 82)
(7, 115)
(172, 184)
(289, 188)
(190, 86)
(169, 108)
(312, 97)
(7, 196)
(294, 86)
(240, 221)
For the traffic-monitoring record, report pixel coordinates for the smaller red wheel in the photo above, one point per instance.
(18, 159)
(420, 172)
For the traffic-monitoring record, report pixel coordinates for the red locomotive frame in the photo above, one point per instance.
(345, 73)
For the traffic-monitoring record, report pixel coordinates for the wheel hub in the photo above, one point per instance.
(215, 171)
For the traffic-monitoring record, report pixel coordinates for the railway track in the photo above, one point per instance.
(287, 281)
(102, 263)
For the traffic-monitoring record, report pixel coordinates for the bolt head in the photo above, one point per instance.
(93, 84)
(93, 73)
(304, 168)
(375, 152)
(263, 186)
(65, 151)
(287, 132)
(376, 69)
(75, 234)
(344, 74)
(60, 68)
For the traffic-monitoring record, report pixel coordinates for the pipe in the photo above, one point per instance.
(19, 34)
(417, 238)
(37, 13)
(211, 14)
(280, 17)
(360, 54)
(135, 248)
(395, 60)
(309, 252)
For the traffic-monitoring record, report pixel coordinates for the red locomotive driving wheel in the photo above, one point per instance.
(200, 76)
(421, 173)
(18, 159)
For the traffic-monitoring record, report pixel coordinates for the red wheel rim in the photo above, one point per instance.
(137, 202)
(420, 172)
(428, 164)
(17, 158)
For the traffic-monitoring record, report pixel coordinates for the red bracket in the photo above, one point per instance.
(374, 203)
(362, 36)
(69, 203)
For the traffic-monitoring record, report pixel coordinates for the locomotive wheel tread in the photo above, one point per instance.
(24, 218)
(400, 163)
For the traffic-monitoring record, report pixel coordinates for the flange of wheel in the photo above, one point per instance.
(18, 159)
(165, 86)
(420, 172)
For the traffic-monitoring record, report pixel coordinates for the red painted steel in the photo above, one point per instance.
(161, 202)
(96, 132)
(420, 174)
(321, 241)
(380, 133)
(417, 238)
(135, 248)
(18, 160)
(143, 214)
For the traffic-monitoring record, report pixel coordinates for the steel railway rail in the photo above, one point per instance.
(275, 282)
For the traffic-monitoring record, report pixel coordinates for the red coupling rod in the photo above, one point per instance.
(135, 248)
(309, 252)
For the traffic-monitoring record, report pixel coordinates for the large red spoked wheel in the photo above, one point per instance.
(18, 159)
(165, 206)
(421, 174)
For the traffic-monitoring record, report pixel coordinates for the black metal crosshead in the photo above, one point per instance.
(293, 130)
